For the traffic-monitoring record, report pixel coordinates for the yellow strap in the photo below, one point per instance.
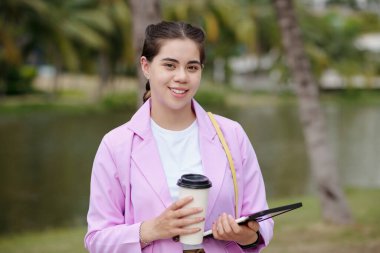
(229, 157)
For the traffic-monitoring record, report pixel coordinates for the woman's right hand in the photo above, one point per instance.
(171, 222)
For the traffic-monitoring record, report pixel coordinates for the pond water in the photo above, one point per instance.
(46, 157)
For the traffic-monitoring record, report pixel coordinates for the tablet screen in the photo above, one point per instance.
(269, 213)
(264, 215)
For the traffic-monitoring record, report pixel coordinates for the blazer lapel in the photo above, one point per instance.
(214, 159)
(146, 155)
(151, 167)
(214, 165)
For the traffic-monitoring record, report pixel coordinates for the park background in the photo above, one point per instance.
(68, 76)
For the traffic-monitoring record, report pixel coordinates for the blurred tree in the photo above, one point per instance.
(334, 27)
(349, 3)
(119, 41)
(220, 19)
(71, 28)
(144, 13)
(14, 43)
(53, 30)
(68, 34)
(324, 170)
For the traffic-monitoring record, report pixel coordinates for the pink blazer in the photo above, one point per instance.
(128, 185)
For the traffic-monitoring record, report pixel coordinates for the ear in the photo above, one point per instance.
(144, 63)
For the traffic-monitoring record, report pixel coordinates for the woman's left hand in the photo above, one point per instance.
(226, 228)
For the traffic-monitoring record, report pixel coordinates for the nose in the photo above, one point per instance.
(180, 75)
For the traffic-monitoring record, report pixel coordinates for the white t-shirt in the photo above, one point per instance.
(180, 154)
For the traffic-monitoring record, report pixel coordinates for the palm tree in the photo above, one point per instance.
(119, 42)
(15, 38)
(58, 29)
(324, 170)
(77, 26)
(144, 12)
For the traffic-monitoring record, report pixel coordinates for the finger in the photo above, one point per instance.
(180, 203)
(226, 224)
(187, 221)
(234, 226)
(186, 212)
(215, 231)
(186, 231)
(254, 226)
(219, 226)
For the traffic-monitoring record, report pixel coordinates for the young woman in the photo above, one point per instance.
(134, 205)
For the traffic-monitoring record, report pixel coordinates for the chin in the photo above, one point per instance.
(180, 105)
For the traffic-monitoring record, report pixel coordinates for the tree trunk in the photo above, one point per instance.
(144, 13)
(322, 162)
(58, 65)
(104, 70)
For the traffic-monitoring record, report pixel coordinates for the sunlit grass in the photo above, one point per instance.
(303, 231)
(299, 231)
(50, 241)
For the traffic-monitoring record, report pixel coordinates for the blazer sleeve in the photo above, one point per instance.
(110, 226)
(253, 195)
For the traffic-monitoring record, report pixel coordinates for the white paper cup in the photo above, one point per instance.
(198, 187)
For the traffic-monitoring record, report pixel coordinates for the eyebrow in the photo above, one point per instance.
(176, 61)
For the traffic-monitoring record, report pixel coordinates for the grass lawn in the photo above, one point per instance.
(50, 241)
(303, 231)
(298, 231)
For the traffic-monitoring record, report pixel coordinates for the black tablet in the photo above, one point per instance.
(264, 215)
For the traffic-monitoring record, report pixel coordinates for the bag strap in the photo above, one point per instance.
(229, 157)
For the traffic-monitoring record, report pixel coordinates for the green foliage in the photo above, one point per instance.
(71, 35)
(120, 101)
(17, 80)
(348, 3)
(268, 34)
(330, 36)
(67, 34)
(229, 24)
(353, 97)
(211, 98)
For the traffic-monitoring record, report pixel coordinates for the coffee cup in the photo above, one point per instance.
(198, 187)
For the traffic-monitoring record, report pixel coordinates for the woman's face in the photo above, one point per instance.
(174, 75)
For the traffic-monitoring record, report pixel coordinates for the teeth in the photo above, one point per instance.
(178, 91)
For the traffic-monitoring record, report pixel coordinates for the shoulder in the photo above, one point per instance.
(118, 137)
(233, 132)
(228, 125)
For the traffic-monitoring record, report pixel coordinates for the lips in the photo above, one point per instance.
(178, 91)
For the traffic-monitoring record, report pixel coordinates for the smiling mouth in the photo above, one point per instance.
(178, 91)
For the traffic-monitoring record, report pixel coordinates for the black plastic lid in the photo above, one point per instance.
(194, 181)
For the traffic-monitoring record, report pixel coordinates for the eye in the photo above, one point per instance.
(193, 68)
(169, 66)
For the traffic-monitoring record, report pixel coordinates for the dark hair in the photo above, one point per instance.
(155, 34)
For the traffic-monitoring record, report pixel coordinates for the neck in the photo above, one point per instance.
(172, 119)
